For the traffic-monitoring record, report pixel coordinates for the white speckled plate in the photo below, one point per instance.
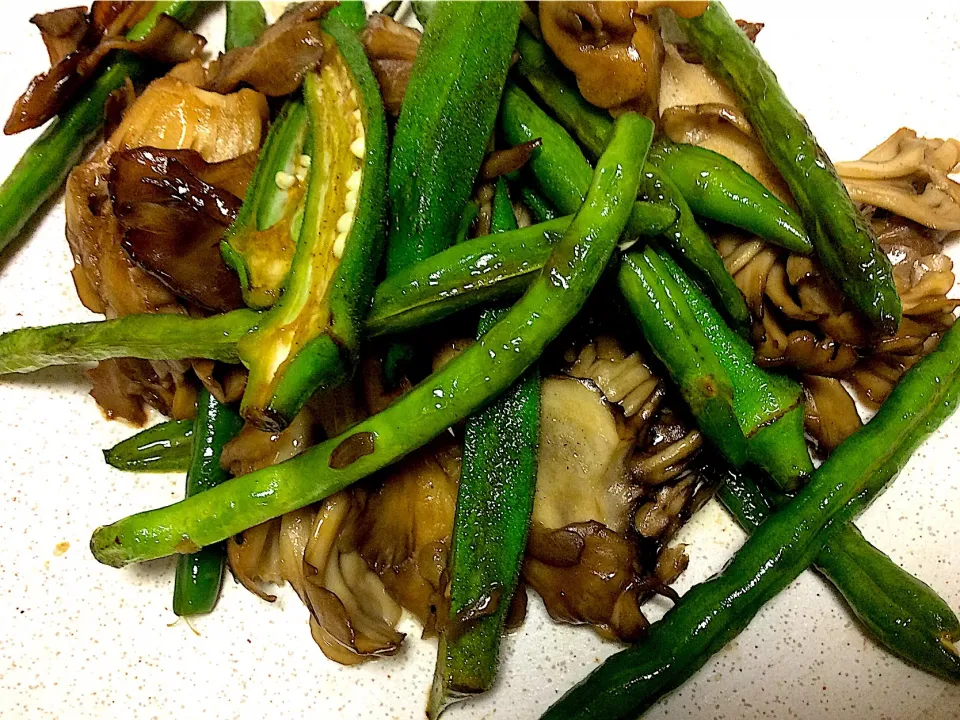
(79, 640)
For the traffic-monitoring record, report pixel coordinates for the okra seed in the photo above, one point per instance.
(305, 161)
(345, 221)
(353, 182)
(284, 180)
(339, 244)
(351, 200)
(357, 147)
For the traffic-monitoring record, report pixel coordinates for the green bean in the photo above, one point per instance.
(199, 575)
(696, 249)
(842, 238)
(470, 212)
(714, 612)
(463, 386)
(482, 270)
(768, 405)
(715, 187)
(676, 338)
(150, 337)
(246, 22)
(555, 87)
(494, 503)
(47, 162)
(902, 613)
(537, 204)
(562, 172)
(162, 448)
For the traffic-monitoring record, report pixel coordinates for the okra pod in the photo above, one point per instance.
(768, 406)
(309, 340)
(445, 124)
(901, 612)
(668, 325)
(464, 385)
(165, 447)
(199, 575)
(711, 614)
(494, 503)
(476, 271)
(47, 162)
(842, 238)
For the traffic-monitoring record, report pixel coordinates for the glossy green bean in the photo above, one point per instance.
(463, 386)
(150, 337)
(711, 614)
(902, 613)
(843, 239)
(696, 250)
(44, 166)
(199, 575)
(165, 447)
(562, 172)
(482, 270)
(715, 187)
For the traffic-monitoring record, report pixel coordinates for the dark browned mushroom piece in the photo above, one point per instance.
(78, 46)
(173, 220)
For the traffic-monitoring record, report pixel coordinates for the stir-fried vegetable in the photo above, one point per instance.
(842, 238)
(310, 338)
(461, 387)
(165, 447)
(190, 210)
(260, 243)
(767, 405)
(46, 163)
(445, 123)
(199, 575)
(494, 502)
(246, 21)
(671, 328)
(714, 612)
(714, 186)
(904, 614)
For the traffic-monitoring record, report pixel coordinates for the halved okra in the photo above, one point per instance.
(260, 243)
(310, 338)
